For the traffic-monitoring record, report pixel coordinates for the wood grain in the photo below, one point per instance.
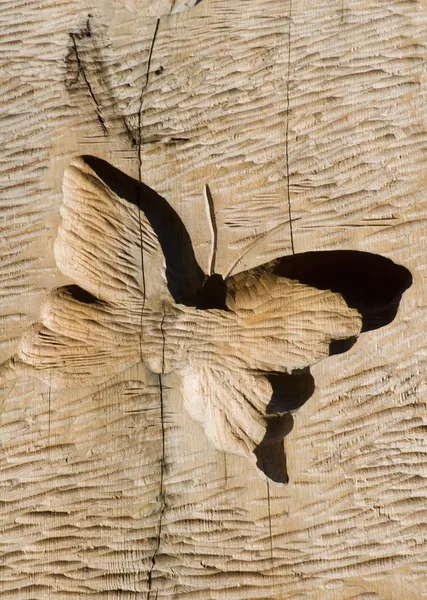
(305, 118)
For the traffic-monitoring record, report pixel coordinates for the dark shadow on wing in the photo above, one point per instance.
(289, 392)
(184, 275)
(213, 293)
(372, 284)
(271, 456)
(368, 282)
(81, 295)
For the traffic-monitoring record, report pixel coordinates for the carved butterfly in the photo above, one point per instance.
(242, 344)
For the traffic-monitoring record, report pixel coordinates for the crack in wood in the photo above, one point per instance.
(147, 76)
(141, 98)
(164, 140)
(141, 246)
(213, 226)
(288, 190)
(162, 500)
(162, 495)
(270, 527)
(50, 414)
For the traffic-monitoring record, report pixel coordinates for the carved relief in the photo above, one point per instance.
(242, 344)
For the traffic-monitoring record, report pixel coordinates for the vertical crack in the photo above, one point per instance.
(214, 228)
(49, 425)
(288, 191)
(141, 247)
(162, 495)
(141, 98)
(162, 498)
(139, 145)
(270, 531)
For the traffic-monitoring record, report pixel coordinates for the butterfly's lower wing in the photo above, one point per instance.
(78, 341)
(231, 406)
(121, 241)
(282, 327)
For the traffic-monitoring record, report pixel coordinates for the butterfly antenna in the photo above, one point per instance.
(254, 243)
(213, 227)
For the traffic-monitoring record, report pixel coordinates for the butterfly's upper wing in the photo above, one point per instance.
(286, 324)
(371, 283)
(121, 241)
(99, 240)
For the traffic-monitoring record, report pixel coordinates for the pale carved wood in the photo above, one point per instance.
(137, 454)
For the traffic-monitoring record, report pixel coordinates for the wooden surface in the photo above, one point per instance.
(306, 111)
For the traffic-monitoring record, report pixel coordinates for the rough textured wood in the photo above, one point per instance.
(304, 124)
